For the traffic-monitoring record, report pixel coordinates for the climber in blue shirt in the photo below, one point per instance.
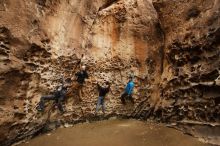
(128, 91)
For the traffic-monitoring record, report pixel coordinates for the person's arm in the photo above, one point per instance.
(77, 74)
(56, 89)
(78, 62)
(98, 86)
(110, 89)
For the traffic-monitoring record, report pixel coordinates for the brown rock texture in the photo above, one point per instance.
(171, 47)
(190, 80)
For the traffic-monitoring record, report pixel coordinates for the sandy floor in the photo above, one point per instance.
(115, 133)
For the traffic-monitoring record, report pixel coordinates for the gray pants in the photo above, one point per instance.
(101, 103)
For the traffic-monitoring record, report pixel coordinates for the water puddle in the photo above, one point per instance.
(115, 133)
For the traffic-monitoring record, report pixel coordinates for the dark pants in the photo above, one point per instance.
(58, 101)
(126, 96)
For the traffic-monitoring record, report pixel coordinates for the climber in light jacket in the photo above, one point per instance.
(128, 91)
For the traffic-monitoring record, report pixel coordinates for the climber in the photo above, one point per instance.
(80, 80)
(58, 96)
(128, 91)
(101, 99)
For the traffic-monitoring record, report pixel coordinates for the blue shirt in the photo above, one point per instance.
(129, 88)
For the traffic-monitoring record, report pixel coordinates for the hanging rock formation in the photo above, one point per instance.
(190, 81)
(171, 47)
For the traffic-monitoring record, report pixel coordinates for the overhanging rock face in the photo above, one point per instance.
(171, 47)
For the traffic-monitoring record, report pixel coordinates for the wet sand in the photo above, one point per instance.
(115, 133)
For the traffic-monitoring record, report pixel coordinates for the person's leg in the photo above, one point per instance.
(131, 98)
(103, 105)
(42, 100)
(80, 94)
(123, 97)
(98, 104)
(59, 104)
(75, 91)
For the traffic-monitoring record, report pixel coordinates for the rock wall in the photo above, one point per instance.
(190, 89)
(190, 81)
(171, 47)
(42, 41)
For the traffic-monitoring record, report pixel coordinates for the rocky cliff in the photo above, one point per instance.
(171, 47)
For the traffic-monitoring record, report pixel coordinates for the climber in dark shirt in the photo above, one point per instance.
(101, 99)
(80, 78)
(58, 96)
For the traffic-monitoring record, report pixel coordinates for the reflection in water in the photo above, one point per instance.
(115, 133)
